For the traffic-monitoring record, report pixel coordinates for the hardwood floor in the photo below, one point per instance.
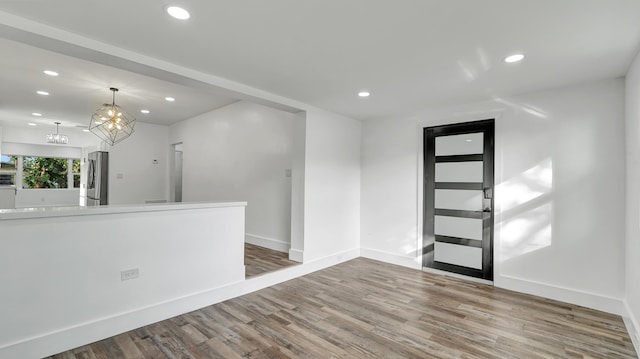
(259, 260)
(369, 309)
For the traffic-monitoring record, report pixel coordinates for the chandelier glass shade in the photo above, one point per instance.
(111, 122)
(57, 137)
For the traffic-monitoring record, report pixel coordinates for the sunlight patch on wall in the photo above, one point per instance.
(529, 185)
(409, 242)
(527, 232)
(526, 211)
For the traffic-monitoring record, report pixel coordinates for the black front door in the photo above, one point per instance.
(458, 198)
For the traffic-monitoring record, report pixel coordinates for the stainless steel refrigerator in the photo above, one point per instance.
(98, 178)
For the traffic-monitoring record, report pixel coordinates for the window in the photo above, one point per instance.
(8, 167)
(75, 169)
(40, 172)
(43, 172)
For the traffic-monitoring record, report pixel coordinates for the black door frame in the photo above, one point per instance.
(487, 127)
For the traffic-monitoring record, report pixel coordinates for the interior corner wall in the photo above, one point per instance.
(138, 166)
(242, 152)
(632, 249)
(332, 185)
(559, 190)
(296, 251)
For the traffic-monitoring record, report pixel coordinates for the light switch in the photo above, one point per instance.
(287, 172)
(155, 162)
(119, 176)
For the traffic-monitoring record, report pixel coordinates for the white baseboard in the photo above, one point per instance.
(271, 243)
(589, 300)
(456, 275)
(631, 322)
(572, 296)
(405, 261)
(71, 337)
(296, 255)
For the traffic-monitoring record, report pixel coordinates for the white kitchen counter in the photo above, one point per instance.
(48, 212)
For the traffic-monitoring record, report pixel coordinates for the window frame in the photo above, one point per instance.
(19, 171)
(12, 172)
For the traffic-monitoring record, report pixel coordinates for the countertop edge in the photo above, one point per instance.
(73, 211)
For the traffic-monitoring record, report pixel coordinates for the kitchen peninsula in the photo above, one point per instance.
(103, 270)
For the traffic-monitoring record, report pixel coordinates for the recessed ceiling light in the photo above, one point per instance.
(514, 58)
(178, 12)
(469, 140)
(36, 114)
(86, 130)
(50, 73)
(364, 94)
(144, 111)
(31, 124)
(43, 93)
(170, 99)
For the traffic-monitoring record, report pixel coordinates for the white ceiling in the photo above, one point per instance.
(83, 86)
(410, 54)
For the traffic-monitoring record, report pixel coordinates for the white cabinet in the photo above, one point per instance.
(7, 197)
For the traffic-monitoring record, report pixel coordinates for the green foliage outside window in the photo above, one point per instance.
(43, 172)
(76, 173)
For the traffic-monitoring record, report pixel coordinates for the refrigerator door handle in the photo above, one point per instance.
(92, 175)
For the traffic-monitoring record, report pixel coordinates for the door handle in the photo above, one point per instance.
(488, 192)
(487, 210)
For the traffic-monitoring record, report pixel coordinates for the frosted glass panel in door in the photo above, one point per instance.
(458, 199)
(458, 255)
(467, 144)
(470, 228)
(459, 171)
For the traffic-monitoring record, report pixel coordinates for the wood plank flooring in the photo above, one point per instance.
(260, 260)
(369, 309)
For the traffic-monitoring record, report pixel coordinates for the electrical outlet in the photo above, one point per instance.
(129, 274)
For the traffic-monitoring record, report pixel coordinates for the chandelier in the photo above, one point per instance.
(57, 138)
(111, 122)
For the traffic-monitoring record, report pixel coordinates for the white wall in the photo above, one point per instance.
(296, 250)
(61, 276)
(332, 184)
(559, 193)
(36, 135)
(632, 249)
(133, 175)
(31, 149)
(242, 152)
(28, 198)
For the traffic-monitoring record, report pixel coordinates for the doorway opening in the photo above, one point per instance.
(176, 173)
